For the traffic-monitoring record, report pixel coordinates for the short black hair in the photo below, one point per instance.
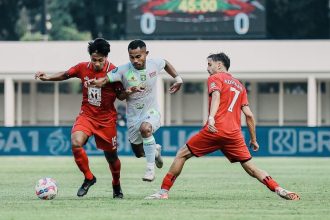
(136, 44)
(99, 45)
(220, 57)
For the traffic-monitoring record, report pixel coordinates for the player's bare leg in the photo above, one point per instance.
(264, 178)
(78, 139)
(138, 150)
(175, 170)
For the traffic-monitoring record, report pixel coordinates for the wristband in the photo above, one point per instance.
(178, 79)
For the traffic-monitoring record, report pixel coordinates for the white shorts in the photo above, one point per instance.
(152, 117)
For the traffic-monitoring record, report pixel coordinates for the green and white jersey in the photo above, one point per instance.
(139, 104)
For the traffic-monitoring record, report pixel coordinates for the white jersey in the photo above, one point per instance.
(140, 103)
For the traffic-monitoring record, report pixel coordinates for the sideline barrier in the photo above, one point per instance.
(273, 141)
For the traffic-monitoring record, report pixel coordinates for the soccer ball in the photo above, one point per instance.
(46, 188)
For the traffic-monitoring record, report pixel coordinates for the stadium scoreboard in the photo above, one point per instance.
(196, 19)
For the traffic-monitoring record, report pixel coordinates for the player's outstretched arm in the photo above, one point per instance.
(251, 127)
(55, 77)
(172, 72)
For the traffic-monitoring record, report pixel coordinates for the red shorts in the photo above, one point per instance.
(105, 137)
(205, 142)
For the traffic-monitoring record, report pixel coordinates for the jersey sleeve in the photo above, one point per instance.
(73, 71)
(160, 64)
(213, 85)
(115, 75)
(117, 86)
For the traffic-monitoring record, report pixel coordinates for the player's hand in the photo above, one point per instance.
(41, 75)
(175, 87)
(134, 89)
(254, 145)
(211, 125)
(94, 83)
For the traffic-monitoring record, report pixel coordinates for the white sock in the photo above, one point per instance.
(151, 166)
(149, 146)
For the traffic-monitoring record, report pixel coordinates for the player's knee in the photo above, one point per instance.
(146, 130)
(76, 143)
(183, 152)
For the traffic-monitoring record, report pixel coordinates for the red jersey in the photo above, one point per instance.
(97, 103)
(233, 97)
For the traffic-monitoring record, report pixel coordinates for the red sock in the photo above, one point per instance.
(168, 181)
(115, 171)
(270, 183)
(81, 160)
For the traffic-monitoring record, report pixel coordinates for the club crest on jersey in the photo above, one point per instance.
(143, 77)
(139, 105)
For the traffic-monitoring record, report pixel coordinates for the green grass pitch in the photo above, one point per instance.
(208, 188)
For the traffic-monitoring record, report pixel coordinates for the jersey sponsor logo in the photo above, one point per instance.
(153, 111)
(213, 85)
(139, 105)
(152, 74)
(94, 96)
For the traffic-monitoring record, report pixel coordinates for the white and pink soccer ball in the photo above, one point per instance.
(46, 188)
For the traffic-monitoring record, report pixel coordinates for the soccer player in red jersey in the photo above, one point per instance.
(227, 98)
(97, 115)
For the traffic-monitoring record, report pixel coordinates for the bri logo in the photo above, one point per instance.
(288, 141)
(282, 141)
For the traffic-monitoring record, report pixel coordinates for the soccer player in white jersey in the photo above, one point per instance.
(139, 78)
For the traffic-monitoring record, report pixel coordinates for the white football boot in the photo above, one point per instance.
(285, 194)
(149, 175)
(161, 194)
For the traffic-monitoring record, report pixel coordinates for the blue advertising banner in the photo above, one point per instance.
(273, 141)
